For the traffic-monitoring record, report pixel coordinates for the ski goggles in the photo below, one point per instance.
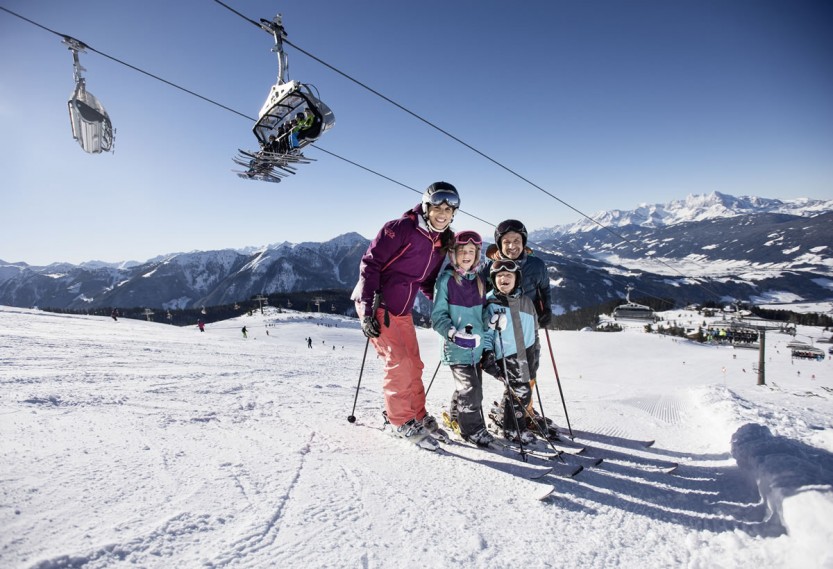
(444, 196)
(504, 265)
(466, 237)
(510, 225)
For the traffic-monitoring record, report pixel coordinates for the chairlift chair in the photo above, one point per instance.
(632, 310)
(91, 125)
(286, 101)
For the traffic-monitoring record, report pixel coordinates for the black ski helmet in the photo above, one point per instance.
(505, 227)
(439, 193)
(503, 266)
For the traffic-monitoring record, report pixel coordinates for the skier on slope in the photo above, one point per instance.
(459, 298)
(511, 243)
(404, 258)
(509, 347)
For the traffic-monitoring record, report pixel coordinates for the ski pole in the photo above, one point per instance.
(541, 405)
(439, 363)
(509, 390)
(558, 382)
(521, 404)
(351, 418)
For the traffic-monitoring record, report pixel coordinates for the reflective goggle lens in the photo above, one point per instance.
(505, 265)
(510, 225)
(444, 196)
(466, 237)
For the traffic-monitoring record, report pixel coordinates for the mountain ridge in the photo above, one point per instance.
(743, 248)
(695, 207)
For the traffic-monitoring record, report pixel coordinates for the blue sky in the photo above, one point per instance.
(603, 104)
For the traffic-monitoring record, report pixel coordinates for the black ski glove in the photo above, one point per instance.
(370, 327)
(545, 318)
(489, 364)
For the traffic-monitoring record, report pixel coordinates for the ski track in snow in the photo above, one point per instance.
(141, 444)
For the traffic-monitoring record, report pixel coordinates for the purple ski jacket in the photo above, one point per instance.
(403, 258)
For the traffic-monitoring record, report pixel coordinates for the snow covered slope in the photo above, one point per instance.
(135, 444)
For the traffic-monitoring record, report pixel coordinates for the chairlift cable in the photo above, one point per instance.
(190, 92)
(616, 234)
(86, 46)
(394, 181)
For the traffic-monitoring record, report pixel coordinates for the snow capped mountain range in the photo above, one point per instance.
(183, 280)
(701, 207)
(708, 247)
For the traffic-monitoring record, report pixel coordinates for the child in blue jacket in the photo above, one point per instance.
(509, 345)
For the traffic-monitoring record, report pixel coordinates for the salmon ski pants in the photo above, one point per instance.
(402, 384)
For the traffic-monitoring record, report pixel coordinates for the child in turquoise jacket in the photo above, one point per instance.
(459, 299)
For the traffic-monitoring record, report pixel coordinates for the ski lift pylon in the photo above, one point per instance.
(91, 125)
(292, 117)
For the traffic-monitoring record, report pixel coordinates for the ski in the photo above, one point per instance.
(628, 443)
(629, 461)
(562, 447)
(531, 471)
(549, 492)
(501, 447)
(541, 427)
(527, 450)
(669, 469)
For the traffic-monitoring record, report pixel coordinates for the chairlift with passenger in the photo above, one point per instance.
(292, 117)
(91, 125)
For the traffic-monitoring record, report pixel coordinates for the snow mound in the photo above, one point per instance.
(785, 470)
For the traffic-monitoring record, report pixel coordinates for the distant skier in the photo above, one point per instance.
(309, 342)
(405, 257)
(115, 314)
(201, 325)
(245, 332)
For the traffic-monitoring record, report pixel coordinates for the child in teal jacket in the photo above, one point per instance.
(459, 299)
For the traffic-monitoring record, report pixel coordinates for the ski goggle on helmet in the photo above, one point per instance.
(509, 226)
(504, 266)
(439, 193)
(466, 238)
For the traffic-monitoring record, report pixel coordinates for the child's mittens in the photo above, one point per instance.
(498, 321)
(466, 341)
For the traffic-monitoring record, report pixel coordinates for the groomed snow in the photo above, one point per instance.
(136, 444)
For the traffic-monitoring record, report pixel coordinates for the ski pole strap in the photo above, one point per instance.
(377, 301)
(517, 329)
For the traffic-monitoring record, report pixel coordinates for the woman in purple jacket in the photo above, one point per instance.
(404, 258)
